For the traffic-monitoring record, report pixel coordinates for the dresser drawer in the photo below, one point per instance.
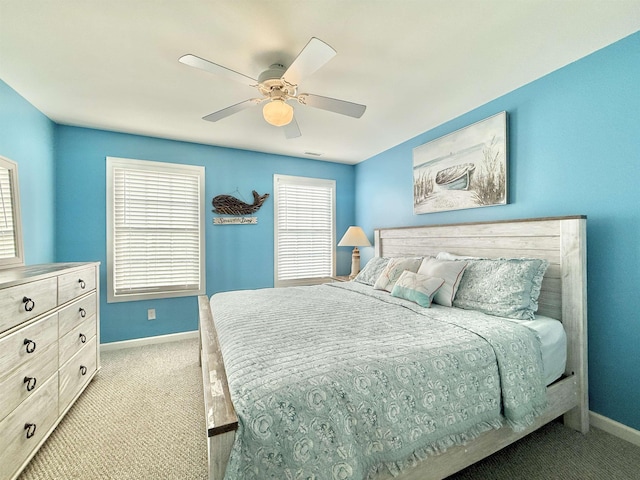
(27, 378)
(76, 373)
(23, 302)
(76, 313)
(27, 344)
(76, 338)
(74, 284)
(38, 414)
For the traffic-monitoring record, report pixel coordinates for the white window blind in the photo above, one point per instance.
(157, 234)
(304, 230)
(7, 238)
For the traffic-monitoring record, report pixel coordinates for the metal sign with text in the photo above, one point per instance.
(235, 220)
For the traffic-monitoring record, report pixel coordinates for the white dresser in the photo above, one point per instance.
(49, 351)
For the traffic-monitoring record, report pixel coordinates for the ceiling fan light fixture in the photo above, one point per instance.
(277, 112)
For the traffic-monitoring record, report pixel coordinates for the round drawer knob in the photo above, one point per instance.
(30, 428)
(31, 345)
(82, 284)
(28, 304)
(31, 383)
(83, 370)
(83, 339)
(83, 312)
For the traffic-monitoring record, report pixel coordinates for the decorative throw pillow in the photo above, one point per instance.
(454, 256)
(502, 287)
(394, 269)
(371, 271)
(451, 271)
(417, 288)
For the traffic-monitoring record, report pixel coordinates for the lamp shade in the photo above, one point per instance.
(277, 112)
(354, 237)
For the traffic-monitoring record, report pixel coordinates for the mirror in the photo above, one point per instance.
(11, 250)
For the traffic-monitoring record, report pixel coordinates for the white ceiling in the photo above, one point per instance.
(113, 65)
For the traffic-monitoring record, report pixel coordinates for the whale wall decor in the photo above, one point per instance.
(228, 205)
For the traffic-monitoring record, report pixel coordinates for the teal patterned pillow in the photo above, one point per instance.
(394, 269)
(417, 288)
(502, 287)
(371, 271)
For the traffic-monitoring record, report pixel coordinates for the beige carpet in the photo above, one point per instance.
(142, 418)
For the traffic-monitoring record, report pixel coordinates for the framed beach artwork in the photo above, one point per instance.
(464, 169)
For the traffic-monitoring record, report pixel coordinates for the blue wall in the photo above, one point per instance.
(27, 138)
(238, 256)
(574, 149)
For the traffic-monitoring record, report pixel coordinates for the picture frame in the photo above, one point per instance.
(464, 169)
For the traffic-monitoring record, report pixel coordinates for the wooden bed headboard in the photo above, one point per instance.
(560, 240)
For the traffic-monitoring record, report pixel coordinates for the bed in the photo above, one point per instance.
(560, 242)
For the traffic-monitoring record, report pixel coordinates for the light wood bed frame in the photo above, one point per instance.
(560, 240)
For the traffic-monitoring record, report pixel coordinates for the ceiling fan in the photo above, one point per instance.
(279, 87)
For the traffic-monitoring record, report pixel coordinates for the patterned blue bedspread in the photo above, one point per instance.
(341, 381)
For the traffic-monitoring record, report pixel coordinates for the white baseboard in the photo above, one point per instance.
(138, 342)
(615, 428)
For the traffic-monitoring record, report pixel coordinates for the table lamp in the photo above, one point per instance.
(354, 237)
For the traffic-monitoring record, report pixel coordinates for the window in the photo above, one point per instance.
(155, 230)
(304, 230)
(10, 231)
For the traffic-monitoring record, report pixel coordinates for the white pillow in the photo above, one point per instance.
(394, 269)
(417, 288)
(450, 270)
(453, 256)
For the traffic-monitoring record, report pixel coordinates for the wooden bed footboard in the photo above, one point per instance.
(221, 419)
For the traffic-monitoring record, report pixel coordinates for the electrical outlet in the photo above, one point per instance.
(151, 314)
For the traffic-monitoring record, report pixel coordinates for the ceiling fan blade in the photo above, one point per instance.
(342, 107)
(313, 56)
(238, 107)
(216, 69)
(291, 129)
